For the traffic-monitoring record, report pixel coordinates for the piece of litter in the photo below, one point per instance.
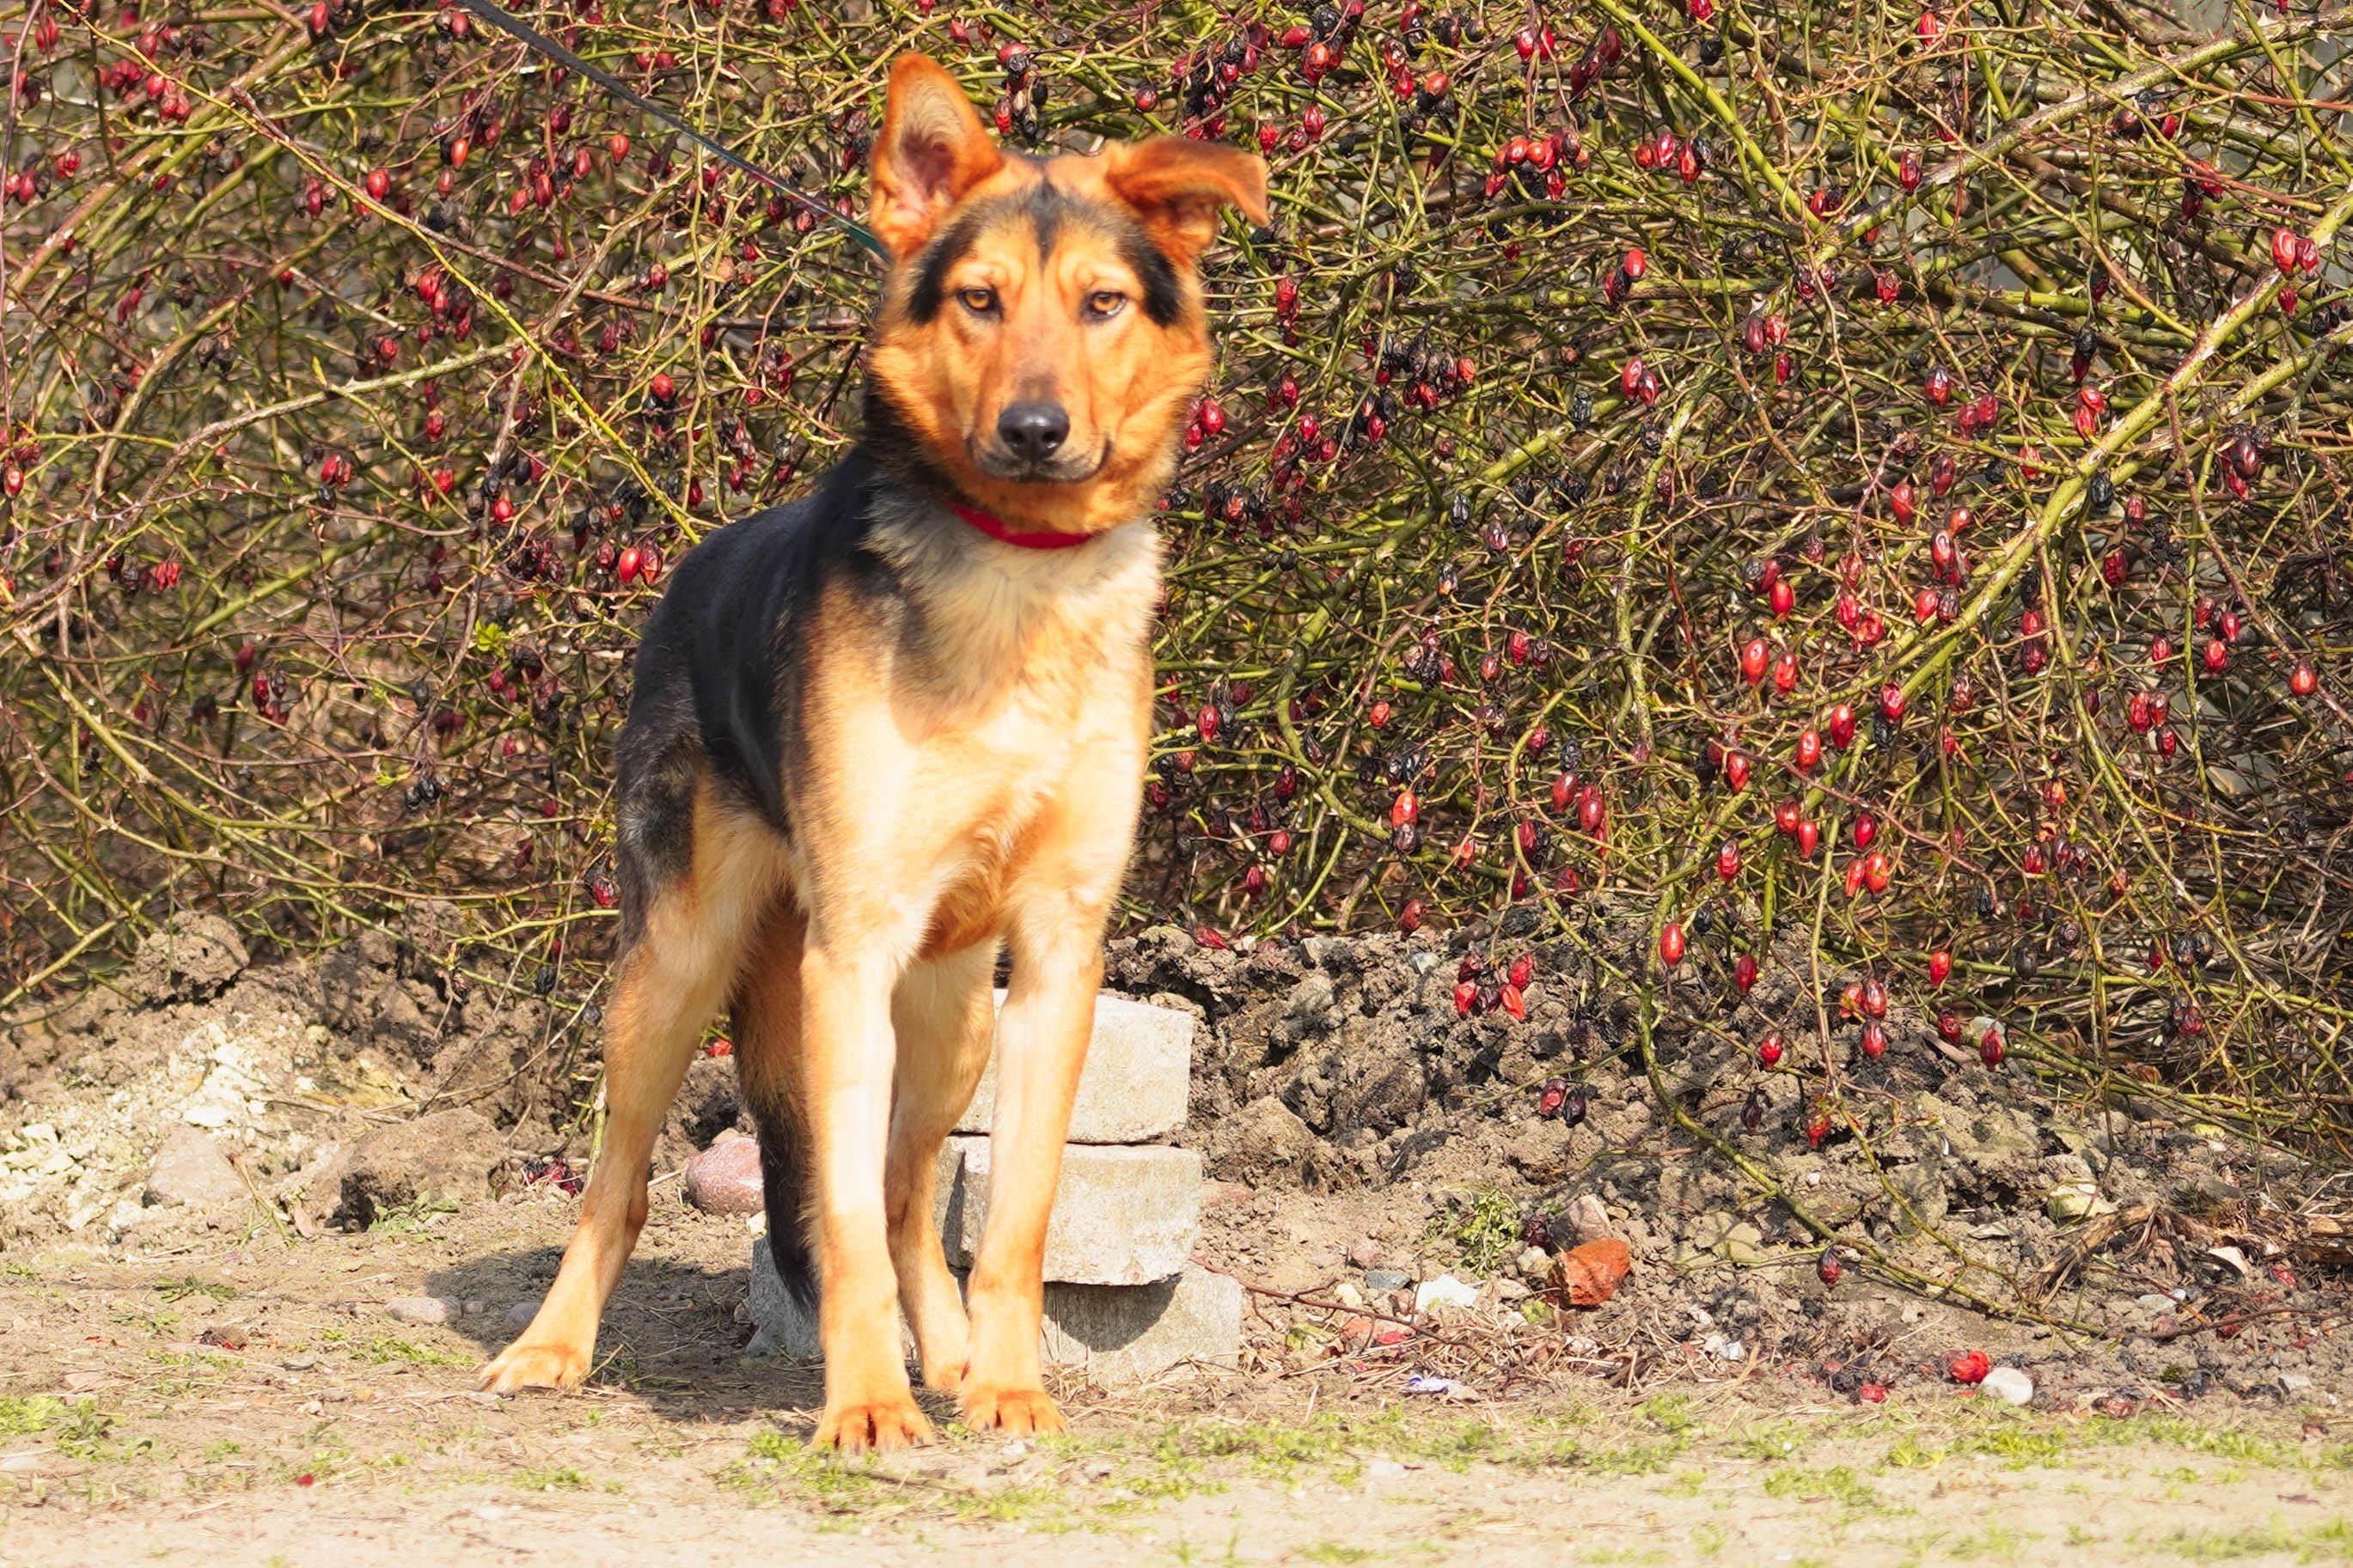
(2009, 1385)
(1442, 1387)
(1443, 1292)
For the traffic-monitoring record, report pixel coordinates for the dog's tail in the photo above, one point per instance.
(786, 1186)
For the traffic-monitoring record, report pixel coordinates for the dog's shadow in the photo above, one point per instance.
(670, 1336)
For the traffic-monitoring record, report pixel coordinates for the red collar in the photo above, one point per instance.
(995, 528)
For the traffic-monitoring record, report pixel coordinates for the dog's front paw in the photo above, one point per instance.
(1015, 1411)
(881, 1424)
(523, 1364)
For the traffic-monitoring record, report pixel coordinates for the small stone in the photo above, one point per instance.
(725, 1178)
(1347, 1295)
(1311, 1000)
(1365, 1253)
(1380, 1280)
(191, 1169)
(475, 1306)
(1586, 1218)
(2071, 1201)
(2009, 1385)
(424, 1312)
(521, 1313)
(1535, 1263)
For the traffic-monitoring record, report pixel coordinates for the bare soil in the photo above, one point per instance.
(314, 1428)
(224, 1377)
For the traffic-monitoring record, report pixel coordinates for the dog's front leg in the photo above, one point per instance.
(846, 1076)
(1042, 1043)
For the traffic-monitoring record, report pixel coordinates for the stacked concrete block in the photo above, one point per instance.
(1122, 1300)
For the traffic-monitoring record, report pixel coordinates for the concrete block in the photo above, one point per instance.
(781, 1326)
(1122, 1216)
(1116, 1334)
(1133, 1088)
(1126, 1333)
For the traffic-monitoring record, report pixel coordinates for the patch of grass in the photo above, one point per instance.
(182, 1288)
(1332, 1551)
(87, 1435)
(1669, 1413)
(2329, 1542)
(146, 1322)
(379, 1349)
(1770, 1442)
(1995, 1543)
(773, 1459)
(1836, 1484)
(23, 1416)
(80, 1426)
(553, 1479)
(1483, 1226)
(1271, 1448)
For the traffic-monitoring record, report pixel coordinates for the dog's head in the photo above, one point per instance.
(1041, 334)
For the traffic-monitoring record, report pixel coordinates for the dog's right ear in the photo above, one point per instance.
(933, 150)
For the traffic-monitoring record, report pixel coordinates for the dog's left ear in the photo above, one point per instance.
(1176, 187)
(933, 150)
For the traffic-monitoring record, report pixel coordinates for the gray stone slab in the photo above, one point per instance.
(1137, 1078)
(1126, 1333)
(1122, 1216)
(1117, 1333)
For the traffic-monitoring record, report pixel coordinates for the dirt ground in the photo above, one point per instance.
(244, 1396)
(218, 1173)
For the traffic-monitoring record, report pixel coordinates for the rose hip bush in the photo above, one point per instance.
(1859, 488)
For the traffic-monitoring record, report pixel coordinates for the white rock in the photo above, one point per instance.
(1443, 1292)
(2009, 1385)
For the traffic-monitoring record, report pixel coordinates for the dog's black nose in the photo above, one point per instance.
(1032, 431)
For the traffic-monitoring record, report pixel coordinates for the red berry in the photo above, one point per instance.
(1970, 1367)
(1940, 965)
(2284, 249)
(1744, 973)
(1671, 944)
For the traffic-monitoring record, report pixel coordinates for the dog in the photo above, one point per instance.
(884, 732)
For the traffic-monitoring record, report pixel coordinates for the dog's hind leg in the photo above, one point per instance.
(945, 1019)
(680, 960)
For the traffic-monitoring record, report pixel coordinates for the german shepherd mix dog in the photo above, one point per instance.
(883, 731)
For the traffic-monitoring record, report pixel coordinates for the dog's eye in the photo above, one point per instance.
(1106, 303)
(979, 301)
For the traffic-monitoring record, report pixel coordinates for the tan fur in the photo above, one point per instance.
(978, 792)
